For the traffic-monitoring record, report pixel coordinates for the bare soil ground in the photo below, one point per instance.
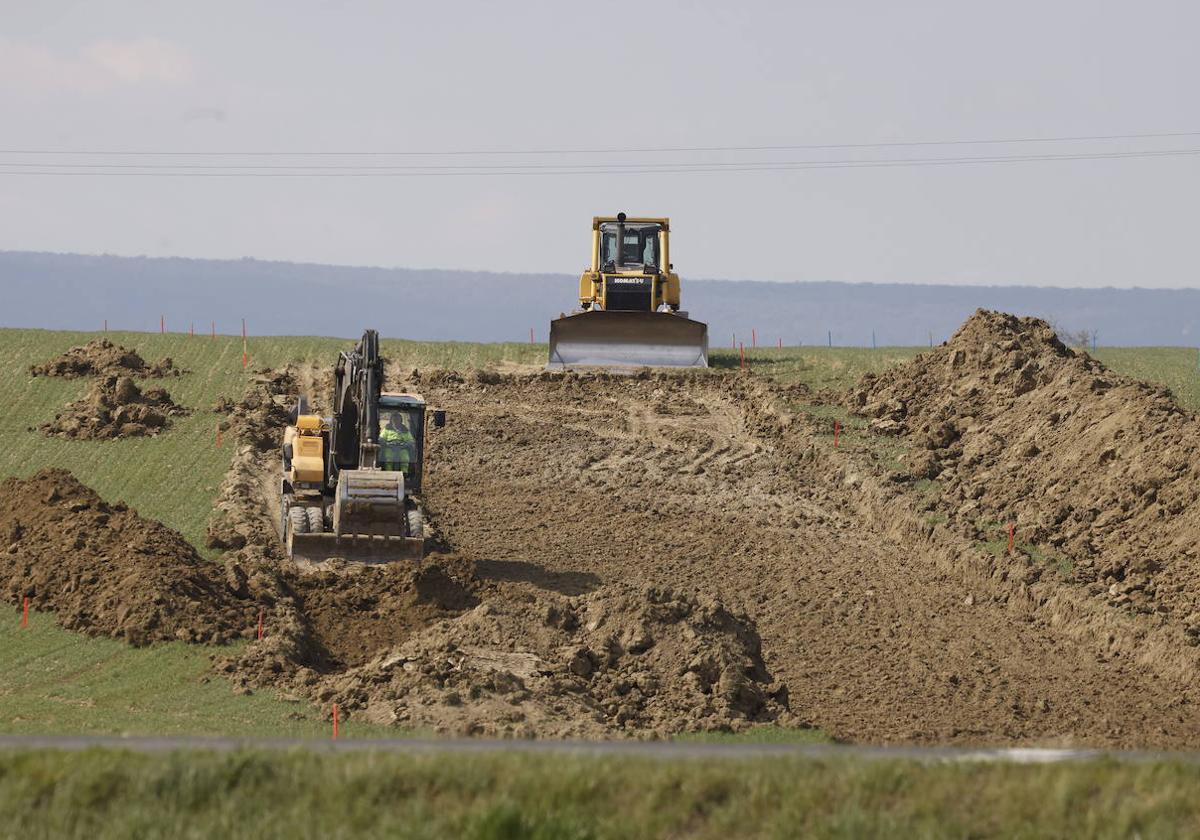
(881, 630)
(658, 553)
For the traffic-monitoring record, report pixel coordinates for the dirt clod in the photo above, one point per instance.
(115, 407)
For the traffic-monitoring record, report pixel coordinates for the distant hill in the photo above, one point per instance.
(70, 291)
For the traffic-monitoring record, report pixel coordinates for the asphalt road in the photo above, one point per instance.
(641, 749)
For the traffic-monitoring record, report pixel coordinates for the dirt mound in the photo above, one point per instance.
(115, 407)
(100, 357)
(107, 571)
(617, 661)
(1099, 473)
(248, 501)
(259, 417)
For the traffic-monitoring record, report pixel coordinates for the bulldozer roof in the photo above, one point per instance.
(631, 220)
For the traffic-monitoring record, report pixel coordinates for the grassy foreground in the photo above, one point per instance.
(56, 681)
(106, 793)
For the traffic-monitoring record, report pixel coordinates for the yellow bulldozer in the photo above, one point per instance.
(352, 481)
(629, 313)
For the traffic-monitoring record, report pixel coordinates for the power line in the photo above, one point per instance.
(608, 167)
(603, 150)
(514, 170)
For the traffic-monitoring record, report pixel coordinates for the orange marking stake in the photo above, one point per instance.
(335, 721)
(192, 330)
(1012, 533)
(837, 431)
(742, 350)
(753, 338)
(25, 613)
(218, 436)
(106, 325)
(245, 355)
(781, 344)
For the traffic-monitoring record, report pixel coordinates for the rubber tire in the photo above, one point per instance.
(415, 522)
(298, 520)
(316, 520)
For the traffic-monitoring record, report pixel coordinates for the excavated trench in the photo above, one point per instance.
(670, 552)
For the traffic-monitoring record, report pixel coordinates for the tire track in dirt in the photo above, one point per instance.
(549, 483)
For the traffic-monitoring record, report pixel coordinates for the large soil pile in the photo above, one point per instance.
(115, 407)
(100, 357)
(107, 571)
(620, 660)
(1099, 473)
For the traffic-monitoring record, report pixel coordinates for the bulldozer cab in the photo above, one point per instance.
(638, 248)
(402, 437)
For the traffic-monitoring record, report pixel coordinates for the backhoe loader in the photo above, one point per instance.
(351, 481)
(629, 313)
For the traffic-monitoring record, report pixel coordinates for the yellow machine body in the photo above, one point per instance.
(664, 290)
(308, 450)
(629, 300)
(368, 513)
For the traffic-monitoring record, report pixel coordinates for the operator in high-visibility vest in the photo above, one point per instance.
(397, 446)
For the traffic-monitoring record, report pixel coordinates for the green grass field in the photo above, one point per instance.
(498, 796)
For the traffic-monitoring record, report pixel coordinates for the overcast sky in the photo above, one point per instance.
(486, 76)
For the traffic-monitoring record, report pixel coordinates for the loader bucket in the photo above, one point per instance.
(627, 339)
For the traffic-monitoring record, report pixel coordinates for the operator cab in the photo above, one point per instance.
(639, 249)
(402, 437)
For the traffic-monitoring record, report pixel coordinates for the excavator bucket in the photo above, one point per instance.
(369, 523)
(369, 503)
(627, 339)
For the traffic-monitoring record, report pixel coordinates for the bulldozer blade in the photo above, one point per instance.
(321, 548)
(627, 339)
